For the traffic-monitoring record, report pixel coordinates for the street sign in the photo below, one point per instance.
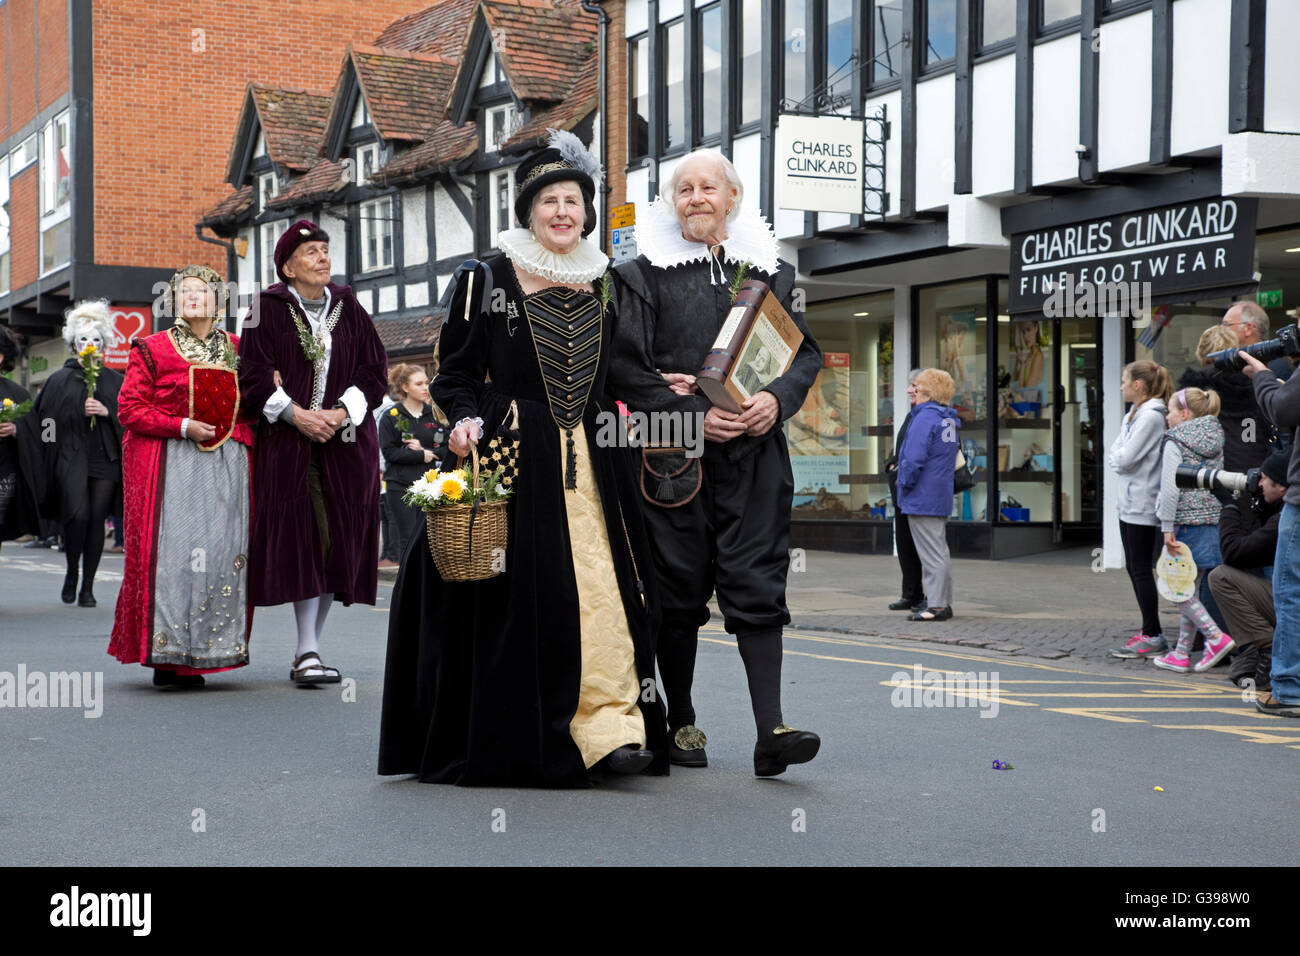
(623, 243)
(624, 215)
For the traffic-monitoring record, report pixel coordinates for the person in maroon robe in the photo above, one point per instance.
(182, 608)
(311, 369)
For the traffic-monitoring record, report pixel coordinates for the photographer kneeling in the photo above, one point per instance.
(1243, 583)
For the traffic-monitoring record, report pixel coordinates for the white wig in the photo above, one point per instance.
(728, 170)
(91, 312)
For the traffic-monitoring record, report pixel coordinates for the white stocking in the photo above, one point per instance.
(326, 602)
(306, 613)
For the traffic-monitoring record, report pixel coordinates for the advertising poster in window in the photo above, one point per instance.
(130, 322)
(957, 357)
(819, 434)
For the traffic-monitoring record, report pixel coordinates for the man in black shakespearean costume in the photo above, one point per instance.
(697, 248)
(311, 368)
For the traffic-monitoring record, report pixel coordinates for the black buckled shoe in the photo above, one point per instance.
(903, 604)
(628, 759)
(686, 749)
(785, 746)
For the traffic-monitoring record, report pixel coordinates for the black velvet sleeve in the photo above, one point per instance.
(462, 351)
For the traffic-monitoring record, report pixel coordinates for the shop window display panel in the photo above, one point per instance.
(842, 435)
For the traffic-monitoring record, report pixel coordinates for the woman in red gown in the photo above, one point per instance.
(183, 607)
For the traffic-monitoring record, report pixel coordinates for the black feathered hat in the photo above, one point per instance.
(565, 159)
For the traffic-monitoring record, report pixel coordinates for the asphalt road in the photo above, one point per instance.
(282, 775)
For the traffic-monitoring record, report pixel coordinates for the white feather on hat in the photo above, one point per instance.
(575, 154)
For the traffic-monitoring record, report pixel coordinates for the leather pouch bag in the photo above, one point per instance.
(669, 479)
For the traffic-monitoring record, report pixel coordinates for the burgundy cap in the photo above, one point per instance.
(304, 230)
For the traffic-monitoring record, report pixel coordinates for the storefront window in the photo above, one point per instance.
(840, 438)
(953, 323)
(1025, 457)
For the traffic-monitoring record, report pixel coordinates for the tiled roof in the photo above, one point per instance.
(580, 102)
(405, 92)
(230, 208)
(444, 146)
(293, 121)
(543, 44)
(419, 334)
(439, 29)
(322, 181)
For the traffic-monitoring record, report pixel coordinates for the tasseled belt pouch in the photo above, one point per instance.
(669, 478)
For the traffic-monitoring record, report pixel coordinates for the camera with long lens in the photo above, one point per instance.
(1287, 343)
(1211, 479)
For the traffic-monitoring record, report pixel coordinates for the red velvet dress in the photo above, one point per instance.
(161, 389)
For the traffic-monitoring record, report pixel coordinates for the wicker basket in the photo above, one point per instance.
(466, 540)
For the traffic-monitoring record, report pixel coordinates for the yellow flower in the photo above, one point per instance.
(452, 487)
(7, 402)
(89, 349)
(393, 411)
(430, 475)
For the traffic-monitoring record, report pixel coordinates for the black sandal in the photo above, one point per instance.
(936, 614)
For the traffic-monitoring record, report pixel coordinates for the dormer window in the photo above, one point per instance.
(492, 73)
(360, 115)
(268, 187)
(499, 124)
(367, 162)
(260, 148)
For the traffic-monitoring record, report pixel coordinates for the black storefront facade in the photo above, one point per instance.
(1093, 279)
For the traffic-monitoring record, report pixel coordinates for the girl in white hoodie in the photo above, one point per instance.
(1135, 458)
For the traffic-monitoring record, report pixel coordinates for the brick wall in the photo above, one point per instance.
(20, 22)
(616, 90)
(52, 35)
(168, 89)
(23, 236)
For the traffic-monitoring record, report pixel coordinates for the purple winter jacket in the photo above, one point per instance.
(927, 459)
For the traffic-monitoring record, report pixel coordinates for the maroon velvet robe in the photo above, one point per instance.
(284, 550)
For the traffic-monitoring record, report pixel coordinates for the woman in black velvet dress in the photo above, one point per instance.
(538, 675)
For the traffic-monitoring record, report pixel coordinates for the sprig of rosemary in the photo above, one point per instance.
(312, 347)
(739, 280)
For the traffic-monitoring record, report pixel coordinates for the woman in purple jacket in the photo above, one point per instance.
(925, 485)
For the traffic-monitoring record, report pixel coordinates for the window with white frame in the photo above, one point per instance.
(269, 233)
(56, 193)
(260, 148)
(500, 123)
(376, 234)
(367, 162)
(492, 72)
(503, 195)
(268, 187)
(4, 224)
(22, 155)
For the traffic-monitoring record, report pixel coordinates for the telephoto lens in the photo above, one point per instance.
(1198, 476)
(1287, 343)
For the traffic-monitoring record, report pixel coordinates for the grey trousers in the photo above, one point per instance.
(1247, 602)
(929, 533)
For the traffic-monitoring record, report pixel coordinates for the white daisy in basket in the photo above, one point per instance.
(425, 490)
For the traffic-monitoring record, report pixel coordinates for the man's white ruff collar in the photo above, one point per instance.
(586, 263)
(749, 239)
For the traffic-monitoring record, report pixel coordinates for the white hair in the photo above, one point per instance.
(669, 188)
(91, 312)
(1253, 313)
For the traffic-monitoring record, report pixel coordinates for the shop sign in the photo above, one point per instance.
(1155, 253)
(129, 323)
(819, 163)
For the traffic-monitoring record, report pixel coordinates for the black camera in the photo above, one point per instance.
(1216, 479)
(1287, 343)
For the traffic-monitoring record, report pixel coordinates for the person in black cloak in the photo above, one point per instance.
(74, 441)
(18, 514)
(538, 675)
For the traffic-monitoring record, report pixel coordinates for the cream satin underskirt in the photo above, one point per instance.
(608, 716)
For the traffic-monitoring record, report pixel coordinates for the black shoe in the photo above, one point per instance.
(69, 593)
(38, 543)
(686, 748)
(167, 678)
(86, 598)
(903, 604)
(936, 614)
(628, 759)
(785, 746)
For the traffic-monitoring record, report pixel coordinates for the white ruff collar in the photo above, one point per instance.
(749, 239)
(586, 263)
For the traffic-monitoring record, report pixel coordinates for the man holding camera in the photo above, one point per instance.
(1243, 583)
(1281, 403)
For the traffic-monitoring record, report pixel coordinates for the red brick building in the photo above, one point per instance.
(115, 124)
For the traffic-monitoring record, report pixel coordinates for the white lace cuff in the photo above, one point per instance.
(476, 420)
